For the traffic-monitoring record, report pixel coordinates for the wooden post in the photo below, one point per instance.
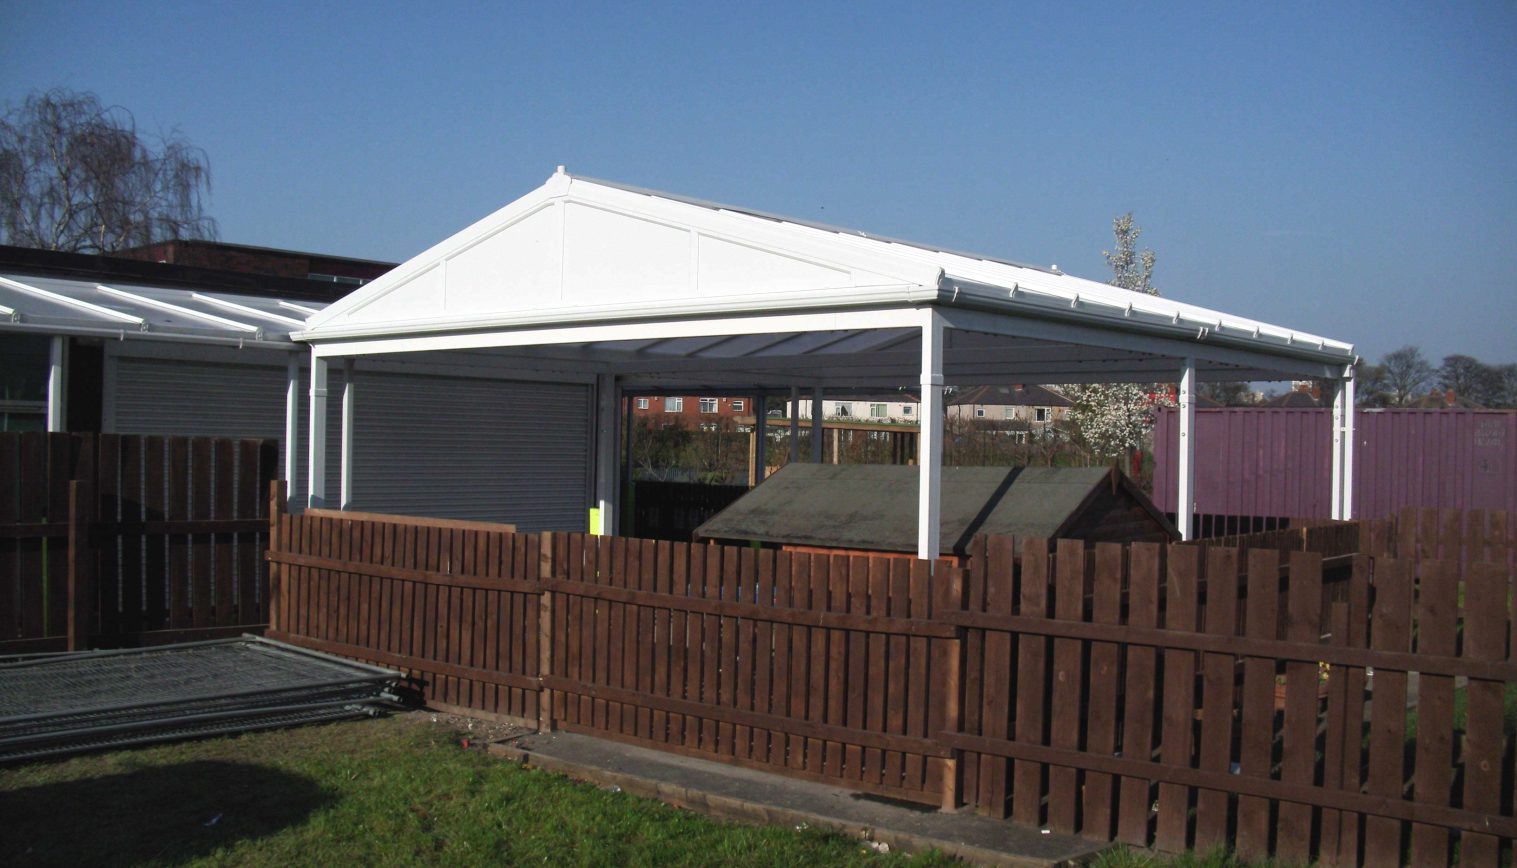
(545, 633)
(949, 589)
(278, 498)
(81, 563)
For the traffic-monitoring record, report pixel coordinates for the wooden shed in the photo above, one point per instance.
(871, 508)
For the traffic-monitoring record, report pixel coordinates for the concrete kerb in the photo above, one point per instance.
(768, 799)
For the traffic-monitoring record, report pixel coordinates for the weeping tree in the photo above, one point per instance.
(78, 176)
(1113, 419)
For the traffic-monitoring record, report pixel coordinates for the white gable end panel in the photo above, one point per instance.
(727, 268)
(520, 263)
(610, 257)
(489, 450)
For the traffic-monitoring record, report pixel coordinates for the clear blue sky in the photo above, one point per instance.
(1348, 169)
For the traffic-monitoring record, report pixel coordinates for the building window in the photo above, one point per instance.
(840, 409)
(674, 405)
(24, 366)
(642, 403)
(708, 427)
(708, 405)
(979, 412)
(737, 406)
(1040, 414)
(1019, 436)
(907, 409)
(878, 411)
(1011, 412)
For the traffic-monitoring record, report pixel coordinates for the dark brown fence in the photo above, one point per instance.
(110, 540)
(1180, 696)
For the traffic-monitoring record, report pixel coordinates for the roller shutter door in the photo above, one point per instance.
(480, 449)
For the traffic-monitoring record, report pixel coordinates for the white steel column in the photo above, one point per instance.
(291, 420)
(1348, 446)
(606, 452)
(818, 430)
(1185, 488)
(348, 407)
(316, 458)
(930, 444)
(795, 424)
(57, 392)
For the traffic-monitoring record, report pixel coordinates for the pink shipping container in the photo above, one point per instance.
(1271, 463)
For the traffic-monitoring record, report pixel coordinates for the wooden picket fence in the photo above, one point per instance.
(109, 540)
(1176, 697)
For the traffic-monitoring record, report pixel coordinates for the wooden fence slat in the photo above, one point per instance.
(1293, 830)
(995, 671)
(1032, 674)
(157, 607)
(59, 473)
(818, 684)
(915, 698)
(1105, 662)
(201, 557)
(1135, 794)
(973, 674)
(1393, 632)
(1065, 716)
(1257, 721)
(1181, 608)
(837, 662)
(1437, 614)
(763, 653)
(33, 504)
(857, 673)
(224, 507)
(1485, 631)
(1217, 697)
(876, 683)
(10, 548)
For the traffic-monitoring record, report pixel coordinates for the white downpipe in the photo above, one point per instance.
(1335, 505)
(930, 444)
(795, 424)
(1185, 507)
(1348, 447)
(818, 431)
(57, 392)
(316, 459)
(348, 408)
(291, 420)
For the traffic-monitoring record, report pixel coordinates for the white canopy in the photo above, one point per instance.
(652, 291)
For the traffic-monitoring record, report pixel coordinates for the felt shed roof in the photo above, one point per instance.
(874, 507)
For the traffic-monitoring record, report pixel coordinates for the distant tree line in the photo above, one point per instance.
(1406, 378)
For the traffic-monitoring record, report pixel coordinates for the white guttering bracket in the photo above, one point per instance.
(77, 304)
(174, 308)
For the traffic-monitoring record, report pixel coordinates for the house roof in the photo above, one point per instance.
(1011, 396)
(874, 507)
(652, 286)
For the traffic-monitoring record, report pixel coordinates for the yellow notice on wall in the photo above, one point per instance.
(595, 524)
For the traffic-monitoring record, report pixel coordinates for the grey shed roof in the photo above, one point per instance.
(874, 507)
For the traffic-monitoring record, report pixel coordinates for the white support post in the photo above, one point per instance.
(348, 408)
(1185, 488)
(761, 433)
(795, 424)
(606, 453)
(818, 430)
(930, 444)
(1335, 497)
(316, 458)
(1348, 446)
(291, 420)
(57, 391)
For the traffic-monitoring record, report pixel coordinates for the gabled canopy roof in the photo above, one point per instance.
(551, 278)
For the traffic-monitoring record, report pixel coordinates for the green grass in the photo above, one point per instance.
(1126, 857)
(395, 791)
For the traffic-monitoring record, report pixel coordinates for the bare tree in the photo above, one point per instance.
(1472, 379)
(1406, 371)
(77, 176)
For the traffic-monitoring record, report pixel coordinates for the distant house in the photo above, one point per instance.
(1036, 407)
(887, 407)
(695, 411)
(872, 508)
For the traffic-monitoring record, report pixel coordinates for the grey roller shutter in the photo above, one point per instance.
(467, 448)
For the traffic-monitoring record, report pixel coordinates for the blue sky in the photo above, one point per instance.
(1345, 168)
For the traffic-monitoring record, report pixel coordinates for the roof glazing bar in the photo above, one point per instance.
(174, 308)
(75, 303)
(242, 308)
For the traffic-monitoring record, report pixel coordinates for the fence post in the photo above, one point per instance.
(278, 498)
(81, 563)
(949, 586)
(545, 633)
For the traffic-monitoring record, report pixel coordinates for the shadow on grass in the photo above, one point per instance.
(164, 815)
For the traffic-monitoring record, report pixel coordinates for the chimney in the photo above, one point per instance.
(1448, 397)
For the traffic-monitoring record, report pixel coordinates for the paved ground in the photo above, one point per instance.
(733, 793)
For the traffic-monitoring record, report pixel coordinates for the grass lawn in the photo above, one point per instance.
(392, 791)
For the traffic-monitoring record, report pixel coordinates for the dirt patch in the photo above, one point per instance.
(478, 730)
